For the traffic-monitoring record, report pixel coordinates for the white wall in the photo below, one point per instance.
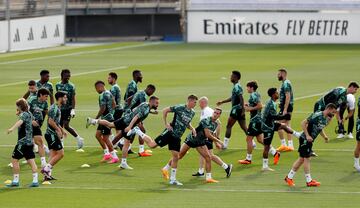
(273, 27)
(3, 36)
(32, 33)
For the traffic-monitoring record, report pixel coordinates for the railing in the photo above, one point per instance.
(75, 4)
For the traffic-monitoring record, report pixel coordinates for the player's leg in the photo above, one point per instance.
(16, 171)
(98, 136)
(357, 148)
(39, 141)
(71, 130)
(32, 164)
(106, 139)
(230, 123)
(283, 145)
(201, 170)
(142, 152)
(174, 164)
(295, 167)
(249, 149)
(124, 155)
(204, 152)
(351, 127)
(147, 139)
(227, 167)
(309, 180)
(341, 128)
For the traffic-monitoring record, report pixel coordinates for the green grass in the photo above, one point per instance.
(178, 70)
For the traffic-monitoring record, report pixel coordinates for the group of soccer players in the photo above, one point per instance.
(128, 120)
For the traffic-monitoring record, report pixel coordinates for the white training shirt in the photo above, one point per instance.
(206, 112)
(351, 101)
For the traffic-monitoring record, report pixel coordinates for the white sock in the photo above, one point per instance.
(123, 161)
(122, 141)
(173, 174)
(48, 167)
(113, 154)
(16, 178)
(141, 148)
(139, 132)
(201, 170)
(35, 177)
(226, 141)
(291, 174)
(129, 147)
(43, 161)
(265, 163)
(308, 178)
(47, 151)
(249, 157)
(272, 151)
(166, 167)
(62, 142)
(106, 151)
(356, 162)
(253, 143)
(94, 121)
(290, 143)
(208, 176)
(296, 134)
(78, 137)
(225, 166)
(283, 142)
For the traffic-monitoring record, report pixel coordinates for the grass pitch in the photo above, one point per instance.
(178, 70)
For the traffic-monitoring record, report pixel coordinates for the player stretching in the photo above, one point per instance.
(312, 126)
(237, 110)
(68, 109)
(54, 134)
(24, 146)
(286, 107)
(207, 112)
(106, 105)
(357, 148)
(39, 108)
(171, 136)
(270, 125)
(116, 93)
(126, 123)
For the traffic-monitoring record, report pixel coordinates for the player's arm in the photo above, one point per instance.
(241, 97)
(27, 94)
(51, 95)
(16, 125)
(257, 107)
(101, 111)
(211, 136)
(58, 130)
(192, 129)
(304, 126)
(73, 102)
(350, 114)
(223, 101)
(129, 100)
(132, 123)
(165, 113)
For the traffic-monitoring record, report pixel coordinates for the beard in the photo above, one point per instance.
(280, 78)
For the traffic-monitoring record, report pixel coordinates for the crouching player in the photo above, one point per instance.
(25, 144)
(312, 126)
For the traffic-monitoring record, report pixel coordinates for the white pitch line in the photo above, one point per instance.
(79, 53)
(203, 190)
(73, 75)
(309, 96)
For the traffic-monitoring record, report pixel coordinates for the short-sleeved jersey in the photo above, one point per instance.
(206, 123)
(286, 88)
(350, 101)
(253, 101)
(55, 114)
(138, 98)
(358, 108)
(268, 114)
(116, 93)
(336, 96)
(38, 109)
(317, 122)
(181, 120)
(25, 134)
(142, 111)
(46, 85)
(206, 112)
(236, 92)
(105, 100)
(70, 89)
(130, 90)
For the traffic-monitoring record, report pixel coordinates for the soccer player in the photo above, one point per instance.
(116, 93)
(336, 96)
(269, 125)
(106, 105)
(350, 107)
(24, 146)
(42, 83)
(129, 120)
(39, 108)
(68, 109)
(286, 107)
(204, 131)
(171, 136)
(31, 89)
(207, 112)
(237, 110)
(312, 126)
(254, 106)
(54, 134)
(357, 148)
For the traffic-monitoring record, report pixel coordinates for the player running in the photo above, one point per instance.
(32, 90)
(207, 112)
(237, 110)
(171, 136)
(312, 126)
(39, 108)
(106, 105)
(42, 83)
(357, 148)
(286, 107)
(129, 120)
(24, 146)
(54, 134)
(68, 109)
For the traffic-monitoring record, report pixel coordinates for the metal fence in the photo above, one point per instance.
(15, 9)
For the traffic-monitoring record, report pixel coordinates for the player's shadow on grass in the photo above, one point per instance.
(352, 176)
(335, 140)
(227, 152)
